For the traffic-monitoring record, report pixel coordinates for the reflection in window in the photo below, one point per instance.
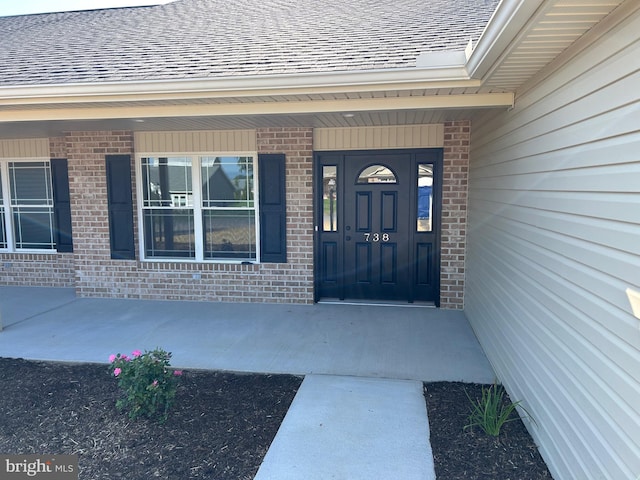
(227, 181)
(377, 174)
(330, 198)
(168, 207)
(229, 234)
(228, 210)
(201, 208)
(425, 197)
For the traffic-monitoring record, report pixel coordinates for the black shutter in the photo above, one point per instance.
(61, 205)
(273, 211)
(120, 207)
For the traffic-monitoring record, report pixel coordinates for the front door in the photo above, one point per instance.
(377, 222)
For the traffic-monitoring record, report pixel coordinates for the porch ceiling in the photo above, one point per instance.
(521, 40)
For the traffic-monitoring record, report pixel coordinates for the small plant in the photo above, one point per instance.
(147, 382)
(491, 412)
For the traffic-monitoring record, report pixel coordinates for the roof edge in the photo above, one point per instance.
(249, 85)
(504, 25)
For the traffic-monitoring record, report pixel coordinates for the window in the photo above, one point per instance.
(26, 206)
(199, 207)
(425, 197)
(377, 174)
(330, 198)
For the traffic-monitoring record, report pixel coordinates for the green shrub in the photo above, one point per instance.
(491, 412)
(147, 382)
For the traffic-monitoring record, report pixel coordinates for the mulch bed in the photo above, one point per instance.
(219, 428)
(471, 454)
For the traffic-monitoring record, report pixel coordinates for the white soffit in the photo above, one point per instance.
(546, 30)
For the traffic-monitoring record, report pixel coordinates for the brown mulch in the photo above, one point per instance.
(219, 428)
(471, 454)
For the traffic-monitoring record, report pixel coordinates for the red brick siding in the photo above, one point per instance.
(98, 275)
(92, 271)
(37, 270)
(454, 213)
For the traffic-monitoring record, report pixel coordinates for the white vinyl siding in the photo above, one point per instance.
(554, 242)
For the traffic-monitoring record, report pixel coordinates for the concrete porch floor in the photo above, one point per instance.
(360, 411)
(396, 342)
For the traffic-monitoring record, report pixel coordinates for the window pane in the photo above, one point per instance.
(33, 227)
(377, 174)
(425, 197)
(169, 233)
(30, 183)
(3, 232)
(31, 205)
(330, 198)
(227, 182)
(166, 182)
(229, 234)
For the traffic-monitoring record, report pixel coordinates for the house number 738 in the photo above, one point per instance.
(376, 237)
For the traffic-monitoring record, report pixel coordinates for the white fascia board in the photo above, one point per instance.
(504, 25)
(248, 85)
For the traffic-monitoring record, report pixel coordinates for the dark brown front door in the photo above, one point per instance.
(377, 215)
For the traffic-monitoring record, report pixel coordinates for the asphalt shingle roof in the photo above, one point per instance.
(222, 38)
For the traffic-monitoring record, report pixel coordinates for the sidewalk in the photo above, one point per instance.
(359, 413)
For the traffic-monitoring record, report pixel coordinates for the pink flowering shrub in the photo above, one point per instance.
(147, 381)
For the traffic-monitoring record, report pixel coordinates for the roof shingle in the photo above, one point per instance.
(221, 38)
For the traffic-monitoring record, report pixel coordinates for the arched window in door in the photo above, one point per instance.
(376, 174)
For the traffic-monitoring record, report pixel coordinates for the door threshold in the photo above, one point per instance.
(377, 303)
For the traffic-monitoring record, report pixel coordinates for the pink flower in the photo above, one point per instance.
(136, 353)
(177, 373)
(112, 358)
(117, 371)
(155, 383)
(125, 358)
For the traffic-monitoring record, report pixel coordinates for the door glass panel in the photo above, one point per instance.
(330, 198)
(3, 233)
(377, 174)
(425, 197)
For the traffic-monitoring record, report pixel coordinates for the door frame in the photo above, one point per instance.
(434, 155)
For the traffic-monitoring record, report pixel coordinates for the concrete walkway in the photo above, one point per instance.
(352, 429)
(360, 412)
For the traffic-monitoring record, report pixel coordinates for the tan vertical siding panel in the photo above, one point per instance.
(361, 138)
(25, 148)
(196, 141)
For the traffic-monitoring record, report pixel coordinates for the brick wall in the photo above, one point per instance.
(37, 270)
(98, 275)
(41, 269)
(290, 282)
(93, 273)
(454, 213)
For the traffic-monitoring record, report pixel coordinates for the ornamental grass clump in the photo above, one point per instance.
(491, 412)
(147, 381)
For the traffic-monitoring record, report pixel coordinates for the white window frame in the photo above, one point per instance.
(196, 180)
(7, 206)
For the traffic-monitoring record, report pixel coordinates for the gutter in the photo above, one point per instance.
(280, 84)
